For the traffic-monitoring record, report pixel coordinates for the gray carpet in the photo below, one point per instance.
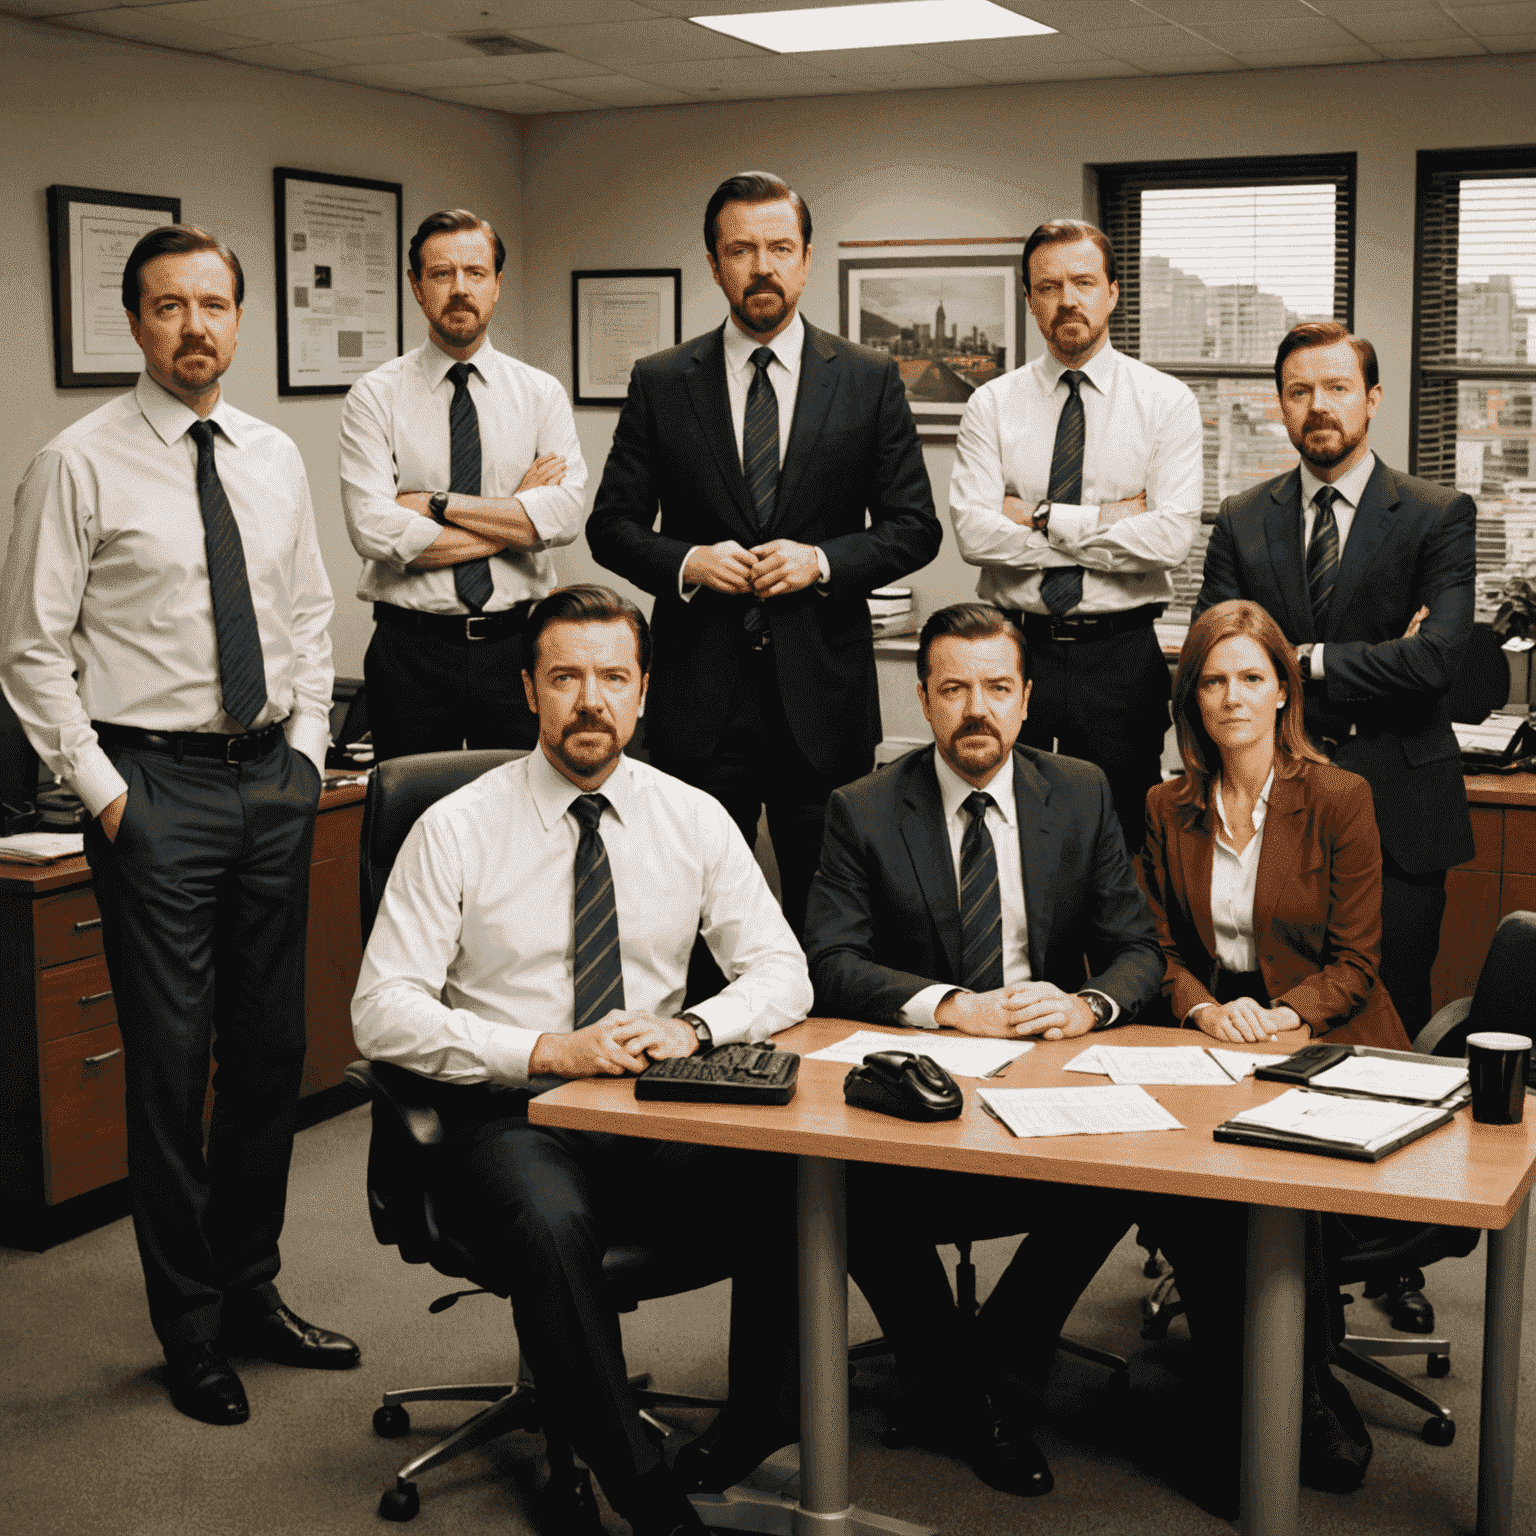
(89, 1443)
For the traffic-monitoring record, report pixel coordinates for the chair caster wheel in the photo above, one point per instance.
(1438, 1365)
(400, 1503)
(1437, 1432)
(389, 1423)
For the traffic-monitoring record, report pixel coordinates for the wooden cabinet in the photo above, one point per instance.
(61, 1057)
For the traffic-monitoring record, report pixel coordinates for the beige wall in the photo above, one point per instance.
(93, 112)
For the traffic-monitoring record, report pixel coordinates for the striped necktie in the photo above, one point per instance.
(599, 970)
(1061, 588)
(242, 672)
(981, 906)
(1323, 558)
(471, 578)
(760, 439)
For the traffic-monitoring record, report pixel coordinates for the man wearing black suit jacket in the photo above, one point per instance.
(764, 443)
(963, 886)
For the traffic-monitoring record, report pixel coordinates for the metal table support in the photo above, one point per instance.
(1502, 1310)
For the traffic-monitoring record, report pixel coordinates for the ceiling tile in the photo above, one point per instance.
(1293, 58)
(508, 15)
(1086, 69)
(1196, 63)
(1202, 13)
(427, 75)
(860, 61)
(278, 56)
(626, 43)
(1294, 36)
(1013, 54)
(1439, 48)
(301, 27)
(1497, 20)
(622, 91)
(511, 97)
(1087, 15)
(696, 74)
(398, 48)
(780, 90)
(1413, 24)
(124, 22)
(48, 7)
(914, 78)
(1143, 44)
(218, 10)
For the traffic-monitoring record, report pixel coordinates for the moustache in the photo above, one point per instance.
(195, 349)
(1317, 422)
(586, 724)
(763, 285)
(1068, 317)
(977, 728)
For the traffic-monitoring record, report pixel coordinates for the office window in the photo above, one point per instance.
(1474, 348)
(1218, 260)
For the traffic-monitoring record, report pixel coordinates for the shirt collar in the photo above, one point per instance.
(786, 346)
(1260, 809)
(1098, 368)
(953, 789)
(170, 417)
(553, 792)
(435, 363)
(1351, 487)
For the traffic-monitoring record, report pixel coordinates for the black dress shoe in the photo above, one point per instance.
(204, 1387)
(565, 1508)
(1410, 1311)
(728, 1451)
(1008, 1459)
(282, 1335)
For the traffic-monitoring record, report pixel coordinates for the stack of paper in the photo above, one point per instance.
(959, 1055)
(41, 847)
(1184, 1065)
(1076, 1111)
(1425, 1082)
(1366, 1125)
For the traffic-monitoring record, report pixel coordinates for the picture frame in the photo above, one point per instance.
(899, 295)
(618, 316)
(339, 283)
(90, 235)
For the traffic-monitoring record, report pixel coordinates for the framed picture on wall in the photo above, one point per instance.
(951, 312)
(338, 279)
(90, 235)
(618, 317)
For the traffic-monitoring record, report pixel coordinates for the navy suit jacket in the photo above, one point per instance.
(852, 449)
(1412, 544)
(884, 915)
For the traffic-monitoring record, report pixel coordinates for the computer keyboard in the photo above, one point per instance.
(729, 1074)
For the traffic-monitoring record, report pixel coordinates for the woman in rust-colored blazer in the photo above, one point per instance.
(1303, 953)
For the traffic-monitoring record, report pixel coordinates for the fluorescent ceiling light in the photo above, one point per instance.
(900, 23)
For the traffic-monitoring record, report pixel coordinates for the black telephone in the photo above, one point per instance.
(907, 1086)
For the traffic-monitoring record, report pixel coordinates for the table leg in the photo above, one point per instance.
(1501, 1375)
(1272, 1362)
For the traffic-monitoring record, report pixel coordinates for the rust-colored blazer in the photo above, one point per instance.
(1316, 906)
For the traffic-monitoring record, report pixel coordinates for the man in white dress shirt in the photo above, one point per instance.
(1077, 489)
(537, 925)
(460, 470)
(164, 644)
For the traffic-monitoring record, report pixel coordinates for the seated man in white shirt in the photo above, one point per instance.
(537, 925)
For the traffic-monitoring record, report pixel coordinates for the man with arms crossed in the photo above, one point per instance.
(537, 926)
(765, 443)
(164, 645)
(1076, 489)
(962, 886)
(460, 470)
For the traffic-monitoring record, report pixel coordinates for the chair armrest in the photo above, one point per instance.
(1444, 1024)
(400, 1091)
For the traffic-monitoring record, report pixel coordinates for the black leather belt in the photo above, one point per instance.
(464, 628)
(1049, 629)
(245, 748)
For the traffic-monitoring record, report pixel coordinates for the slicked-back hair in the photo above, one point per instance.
(969, 621)
(447, 222)
(1325, 333)
(1068, 232)
(1202, 757)
(752, 187)
(175, 240)
(585, 603)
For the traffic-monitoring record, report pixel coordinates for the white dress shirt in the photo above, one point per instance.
(1350, 488)
(1142, 433)
(472, 955)
(395, 439)
(1234, 876)
(105, 608)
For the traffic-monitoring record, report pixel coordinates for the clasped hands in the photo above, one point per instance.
(625, 1040)
(768, 570)
(1245, 1022)
(1025, 1008)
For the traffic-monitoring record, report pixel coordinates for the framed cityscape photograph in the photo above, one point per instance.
(951, 312)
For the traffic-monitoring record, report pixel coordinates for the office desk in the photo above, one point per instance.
(1462, 1174)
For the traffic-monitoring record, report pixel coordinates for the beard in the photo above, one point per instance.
(589, 757)
(202, 374)
(459, 325)
(1091, 337)
(761, 322)
(977, 760)
(1317, 457)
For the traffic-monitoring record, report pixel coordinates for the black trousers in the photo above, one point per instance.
(427, 694)
(539, 1205)
(204, 900)
(1105, 701)
(1412, 907)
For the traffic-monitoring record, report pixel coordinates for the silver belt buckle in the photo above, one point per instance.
(231, 759)
(1061, 633)
(469, 623)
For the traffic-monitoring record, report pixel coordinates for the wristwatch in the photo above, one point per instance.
(1099, 1006)
(437, 505)
(700, 1029)
(1041, 521)
(1304, 661)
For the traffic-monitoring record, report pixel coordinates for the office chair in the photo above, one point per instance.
(402, 1156)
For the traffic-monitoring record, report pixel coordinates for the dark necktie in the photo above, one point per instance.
(599, 970)
(760, 439)
(1323, 558)
(242, 673)
(1061, 588)
(981, 906)
(471, 578)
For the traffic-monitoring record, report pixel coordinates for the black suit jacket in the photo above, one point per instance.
(1412, 544)
(884, 914)
(852, 448)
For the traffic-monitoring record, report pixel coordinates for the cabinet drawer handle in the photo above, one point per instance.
(95, 997)
(90, 922)
(96, 1061)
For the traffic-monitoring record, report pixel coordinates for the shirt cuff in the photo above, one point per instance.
(310, 735)
(686, 592)
(96, 781)
(421, 534)
(505, 1052)
(918, 1010)
(1317, 661)
(824, 581)
(1070, 523)
(730, 1019)
(1114, 1007)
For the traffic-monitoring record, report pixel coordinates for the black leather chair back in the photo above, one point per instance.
(1482, 683)
(1504, 997)
(399, 790)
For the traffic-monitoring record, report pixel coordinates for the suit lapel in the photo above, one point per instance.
(1282, 846)
(1373, 523)
(927, 840)
(1039, 853)
(1197, 853)
(819, 379)
(1282, 535)
(705, 376)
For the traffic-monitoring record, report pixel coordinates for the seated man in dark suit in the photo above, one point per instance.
(963, 886)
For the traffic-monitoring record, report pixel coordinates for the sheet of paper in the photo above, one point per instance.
(1087, 1061)
(1493, 735)
(1240, 1063)
(1364, 1123)
(41, 847)
(1185, 1065)
(1097, 1111)
(1428, 1083)
(959, 1055)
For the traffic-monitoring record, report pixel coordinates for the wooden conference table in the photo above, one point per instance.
(1463, 1174)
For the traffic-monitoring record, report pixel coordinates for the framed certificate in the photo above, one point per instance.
(90, 236)
(618, 317)
(338, 279)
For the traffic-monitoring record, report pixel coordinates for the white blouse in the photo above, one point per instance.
(1233, 878)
